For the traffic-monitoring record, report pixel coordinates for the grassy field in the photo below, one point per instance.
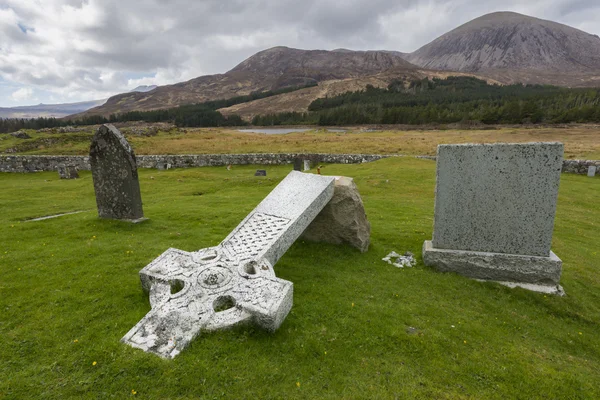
(359, 328)
(581, 142)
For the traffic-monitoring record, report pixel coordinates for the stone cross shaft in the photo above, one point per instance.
(234, 282)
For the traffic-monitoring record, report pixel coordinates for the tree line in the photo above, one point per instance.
(455, 99)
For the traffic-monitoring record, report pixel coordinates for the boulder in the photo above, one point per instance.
(20, 135)
(343, 220)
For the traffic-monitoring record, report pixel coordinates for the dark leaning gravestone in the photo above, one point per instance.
(297, 164)
(114, 171)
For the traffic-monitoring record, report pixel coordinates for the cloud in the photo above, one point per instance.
(77, 50)
(22, 94)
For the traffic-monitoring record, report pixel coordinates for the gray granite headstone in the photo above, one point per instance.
(260, 172)
(234, 282)
(591, 170)
(498, 198)
(306, 165)
(114, 171)
(297, 164)
(67, 172)
(497, 201)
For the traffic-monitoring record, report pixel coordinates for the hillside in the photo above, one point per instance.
(532, 49)
(298, 101)
(270, 69)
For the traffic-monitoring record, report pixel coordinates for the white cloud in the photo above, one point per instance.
(22, 94)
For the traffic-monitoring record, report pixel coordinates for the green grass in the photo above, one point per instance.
(359, 328)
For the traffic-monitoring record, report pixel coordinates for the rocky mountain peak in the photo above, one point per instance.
(511, 40)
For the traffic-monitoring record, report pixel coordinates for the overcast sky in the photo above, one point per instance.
(56, 51)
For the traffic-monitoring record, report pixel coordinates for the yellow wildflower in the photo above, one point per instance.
(133, 392)
(297, 384)
(94, 363)
(75, 341)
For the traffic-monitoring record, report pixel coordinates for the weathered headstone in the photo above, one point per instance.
(161, 166)
(114, 171)
(297, 164)
(234, 282)
(343, 220)
(494, 212)
(260, 172)
(591, 171)
(67, 171)
(306, 165)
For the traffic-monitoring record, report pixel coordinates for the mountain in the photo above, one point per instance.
(270, 69)
(291, 66)
(503, 47)
(509, 41)
(48, 110)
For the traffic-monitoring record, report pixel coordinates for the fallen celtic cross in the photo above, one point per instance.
(234, 282)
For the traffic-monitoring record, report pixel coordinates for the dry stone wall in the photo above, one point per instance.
(580, 166)
(51, 163)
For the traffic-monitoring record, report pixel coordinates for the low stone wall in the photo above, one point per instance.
(580, 166)
(41, 163)
(51, 163)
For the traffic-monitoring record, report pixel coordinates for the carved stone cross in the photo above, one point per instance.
(234, 282)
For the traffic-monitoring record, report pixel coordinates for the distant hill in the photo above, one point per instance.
(59, 110)
(515, 47)
(48, 110)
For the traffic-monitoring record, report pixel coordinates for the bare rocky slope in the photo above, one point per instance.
(524, 46)
(270, 69)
